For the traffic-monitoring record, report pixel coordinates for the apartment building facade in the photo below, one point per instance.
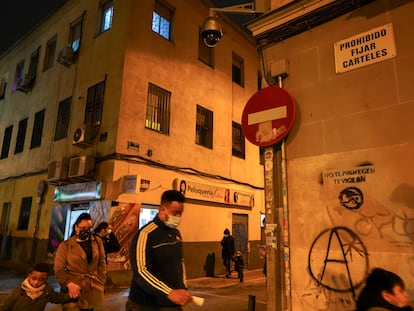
(105, 105)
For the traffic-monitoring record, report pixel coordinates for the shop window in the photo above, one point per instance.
(238, 70)
(50, 53)
(238, 149)
(6, 142)
(205, 53)
(94, 104)
(158, 109)
(204, 127)
(37, 129)
(106, 15)
(21, 135)
(24, 216)
(63, 118)
(162, 19)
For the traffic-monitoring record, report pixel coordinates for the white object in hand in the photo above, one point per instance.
(199, 301)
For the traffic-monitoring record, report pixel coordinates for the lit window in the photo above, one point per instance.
(161, 19)
(158, 109)
(107, 13)
(75, 34)
(204, 127)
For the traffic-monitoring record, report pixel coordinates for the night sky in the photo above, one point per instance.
(19, 16)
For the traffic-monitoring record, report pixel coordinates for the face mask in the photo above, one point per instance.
(84, 234)
(173, 221)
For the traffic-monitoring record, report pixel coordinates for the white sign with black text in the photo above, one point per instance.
(365, 48)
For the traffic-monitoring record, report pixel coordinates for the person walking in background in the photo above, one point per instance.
(34, 293)
(158, 279)
(110, 242)
(239, 265)
(227, 251)
(384, 290)
(80, 266)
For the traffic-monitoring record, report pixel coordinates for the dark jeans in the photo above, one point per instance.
(226, 262)
(132, 306)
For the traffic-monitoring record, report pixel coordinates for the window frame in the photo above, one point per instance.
(5, 149)
(63, 119)
(158, 114)
(164, 12)
(237, 69)
(24, 213)
(21, 136)
(50, 53)
(94, 104)
(237, 131)
(205, 53)
(104, 6)
(37, 132)
(204, 127)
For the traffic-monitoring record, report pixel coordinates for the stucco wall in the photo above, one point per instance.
(345, 123)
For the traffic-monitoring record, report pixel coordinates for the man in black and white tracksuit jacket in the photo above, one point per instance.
(158, 281)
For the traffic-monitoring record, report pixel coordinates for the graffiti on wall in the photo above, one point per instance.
(338, 258)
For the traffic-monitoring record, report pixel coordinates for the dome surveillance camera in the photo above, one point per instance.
(211, 32)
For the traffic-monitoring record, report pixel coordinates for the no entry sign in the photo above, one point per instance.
(268, 116)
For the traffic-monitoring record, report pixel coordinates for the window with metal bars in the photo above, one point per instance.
(237, 149)
(158, 109)
(204, 127)
(94, 104)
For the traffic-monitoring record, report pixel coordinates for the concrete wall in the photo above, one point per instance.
(361, 119)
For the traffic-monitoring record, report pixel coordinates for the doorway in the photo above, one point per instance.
(4, 228)
(240, 234)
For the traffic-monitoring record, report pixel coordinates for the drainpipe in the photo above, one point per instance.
(285, 223)
(41, 186)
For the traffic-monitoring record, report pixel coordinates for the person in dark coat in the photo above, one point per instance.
(110, 241)
(227, 251)
(34, 293)
(384, 290)
(239, 265)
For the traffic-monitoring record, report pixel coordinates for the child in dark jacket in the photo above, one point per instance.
(239, 264)
(33, 293)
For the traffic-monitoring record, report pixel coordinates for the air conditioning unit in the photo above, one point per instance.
(65, 56)
(84, 136)
(58, 169)
(81, 166)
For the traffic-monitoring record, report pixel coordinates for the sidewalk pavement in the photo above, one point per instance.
(115, 297)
